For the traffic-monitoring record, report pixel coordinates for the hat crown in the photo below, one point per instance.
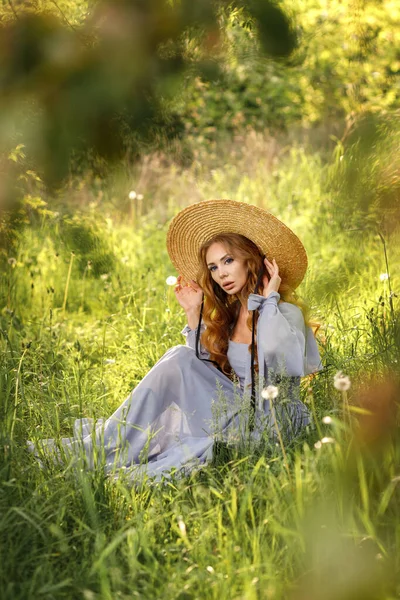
(200, 222)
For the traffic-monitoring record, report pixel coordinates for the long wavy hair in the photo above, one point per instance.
(221, 310)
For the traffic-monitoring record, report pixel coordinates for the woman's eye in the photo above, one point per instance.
(212, 268)
(228, 261)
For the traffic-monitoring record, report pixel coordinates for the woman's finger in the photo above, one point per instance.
(195, 285)
(276, 265)
(269, 269)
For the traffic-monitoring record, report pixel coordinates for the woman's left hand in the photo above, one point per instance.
(271, 285)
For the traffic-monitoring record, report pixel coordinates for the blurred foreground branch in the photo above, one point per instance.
(72, 89)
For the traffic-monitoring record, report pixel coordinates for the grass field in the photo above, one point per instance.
(86, 312)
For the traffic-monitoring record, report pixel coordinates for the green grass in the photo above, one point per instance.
(242, 527)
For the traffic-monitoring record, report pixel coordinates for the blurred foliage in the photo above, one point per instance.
(83, 237)
(365, 175)
(90, 79)
(346, 62)
(124, 76)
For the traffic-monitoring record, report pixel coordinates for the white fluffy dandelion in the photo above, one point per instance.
(270, 392)
(171, 280)
(325, 440)
(327, 420)
(182, 526)
(132, 195)
(341, 382)
(384, 276)
(210, 569)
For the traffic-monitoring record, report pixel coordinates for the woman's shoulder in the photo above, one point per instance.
(291, 311)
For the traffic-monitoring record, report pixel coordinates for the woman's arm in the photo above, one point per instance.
(284, 337)
(190, 297)
(192, 316)
(190, 335)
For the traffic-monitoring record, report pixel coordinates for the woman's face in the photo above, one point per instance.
(227, 270)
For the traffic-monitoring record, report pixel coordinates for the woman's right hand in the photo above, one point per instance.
(189, 295)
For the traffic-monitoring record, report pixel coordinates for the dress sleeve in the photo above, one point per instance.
(288, 346)
(190, 335)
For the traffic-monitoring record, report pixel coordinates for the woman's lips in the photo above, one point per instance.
(228, 286)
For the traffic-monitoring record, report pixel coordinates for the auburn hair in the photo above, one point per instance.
(221, 310)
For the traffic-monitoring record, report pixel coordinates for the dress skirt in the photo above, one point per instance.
(170, 420)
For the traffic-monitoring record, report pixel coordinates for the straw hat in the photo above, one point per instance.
(198, 223)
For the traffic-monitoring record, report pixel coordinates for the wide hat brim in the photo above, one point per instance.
(198, 223)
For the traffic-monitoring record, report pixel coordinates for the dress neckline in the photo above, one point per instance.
(238, 343)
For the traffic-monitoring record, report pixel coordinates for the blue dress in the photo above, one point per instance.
(173, 416)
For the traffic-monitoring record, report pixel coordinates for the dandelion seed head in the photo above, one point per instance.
(182, 526)
(210, 569)
(327, 420)
(139, 196)
(384, 276)
(341, 382)
(109, 361)
(270, 392)
(132, 195)
(171, 280)
(104, 276)
(325, 440)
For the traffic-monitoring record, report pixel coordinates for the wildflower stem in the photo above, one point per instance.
(67, 283)
(285, 460)
(314, 414)
(388, 279)
(17, 381)
(345, 407)
(83, 288)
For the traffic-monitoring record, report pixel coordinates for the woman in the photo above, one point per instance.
(207, 389)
